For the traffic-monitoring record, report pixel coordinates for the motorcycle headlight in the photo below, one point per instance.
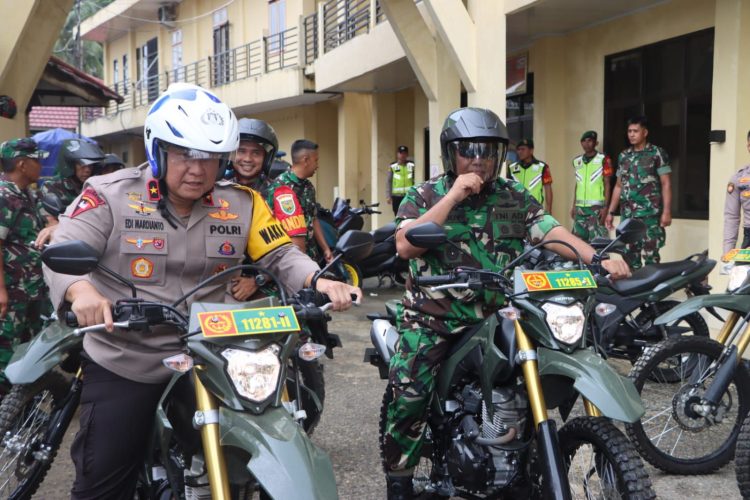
(737, 277)
(255, 374)
(566, 322)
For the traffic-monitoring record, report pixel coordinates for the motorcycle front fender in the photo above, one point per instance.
(283, 459)
(737, 303)
(44, 352)
(593, 378)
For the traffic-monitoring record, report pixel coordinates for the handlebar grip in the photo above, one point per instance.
(71, 320)
(442, 279)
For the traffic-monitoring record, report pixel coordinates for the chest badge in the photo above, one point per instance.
(141, 242)
(223, 212)
(141, 209)
(227, 248)
(142, 268)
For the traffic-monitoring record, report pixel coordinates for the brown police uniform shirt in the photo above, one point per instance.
(117, 215)
(737, 201)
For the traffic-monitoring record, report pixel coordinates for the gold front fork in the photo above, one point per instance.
(742, 343)
(727, 328)
(217, 469)
(527, 354)
(591, 409)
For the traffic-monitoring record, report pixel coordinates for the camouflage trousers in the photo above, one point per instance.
(587, 225)
(22, 322)
(646, 251)
(412, 378)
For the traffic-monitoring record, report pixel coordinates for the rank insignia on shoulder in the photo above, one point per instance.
(154, 194)
(89, 199)
(730, 188)
(223, 212)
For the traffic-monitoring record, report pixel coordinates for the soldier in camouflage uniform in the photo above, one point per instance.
(291, 196)
(253, 159)
(488, 217)
(81, 158)
(644, 188)
(591, 198)
(23, 294)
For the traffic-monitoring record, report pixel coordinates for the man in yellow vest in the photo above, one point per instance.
(593, 173)
(534, 174)
(400, 178)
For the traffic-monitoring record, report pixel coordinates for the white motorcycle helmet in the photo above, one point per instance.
(190, 117)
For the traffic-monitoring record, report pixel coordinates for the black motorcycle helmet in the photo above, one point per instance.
(79, 151)
(467, 124)
(262, 133)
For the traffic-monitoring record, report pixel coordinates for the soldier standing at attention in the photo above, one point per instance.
(400, 178)
(292, 199)
(644, 187)
(22, 289)
(591, 199)
(737, 200)
(533, 174)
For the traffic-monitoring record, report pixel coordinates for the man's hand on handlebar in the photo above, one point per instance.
(89, 306)
(339, 293)
(617, 269)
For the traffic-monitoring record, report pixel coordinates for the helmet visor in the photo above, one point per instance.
(185, 154)
(482, 157)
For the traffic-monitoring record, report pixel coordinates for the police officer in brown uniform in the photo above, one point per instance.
(737, 201)
(165, 228)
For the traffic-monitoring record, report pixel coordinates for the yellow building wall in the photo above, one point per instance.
(569, 97)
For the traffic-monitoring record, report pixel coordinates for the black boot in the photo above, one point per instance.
(399, 487)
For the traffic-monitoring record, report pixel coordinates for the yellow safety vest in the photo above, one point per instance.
(589, 181)
(403, 178)
(530, 177)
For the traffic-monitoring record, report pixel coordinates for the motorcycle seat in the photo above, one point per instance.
(385, 232)
(651, 275)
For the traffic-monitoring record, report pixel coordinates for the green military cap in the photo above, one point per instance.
(21, 148)
(589, 134)
(525, 142)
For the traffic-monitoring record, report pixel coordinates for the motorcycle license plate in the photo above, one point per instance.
(541, 281)
(258, 321)
(737, 255)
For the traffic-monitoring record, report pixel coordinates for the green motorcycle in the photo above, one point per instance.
(489, 432)
(242, 430)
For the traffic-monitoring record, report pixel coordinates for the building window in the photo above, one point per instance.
(222, 61)
(276, 25)
(125, 74)
(115, 75)
(147, 72)
(670, 82)
(520, 116)
(178, 71)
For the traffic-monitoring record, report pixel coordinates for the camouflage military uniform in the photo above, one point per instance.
(67, 189)
(641, 198)
(292, 201)
(587, 223)
(20, 224)
(491, 228)
(260, 184)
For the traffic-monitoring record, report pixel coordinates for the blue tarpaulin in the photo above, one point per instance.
(51, 140)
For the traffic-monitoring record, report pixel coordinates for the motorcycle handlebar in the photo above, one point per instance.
(442, 279)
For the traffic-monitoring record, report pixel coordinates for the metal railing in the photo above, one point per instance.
(379, 14)
(343, 20)
(281, 50)
(310, 27)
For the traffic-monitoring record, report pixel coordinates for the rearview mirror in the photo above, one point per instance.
(631, 230)
(355, 245)
(53, 205)
(71, 257)
(426, 235)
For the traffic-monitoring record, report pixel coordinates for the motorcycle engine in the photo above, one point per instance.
(483, 455)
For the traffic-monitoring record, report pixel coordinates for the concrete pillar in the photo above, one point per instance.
(730, 102)
(489, 20)
(383, 144)
(550, 121)
(448, 92)
(354, 136)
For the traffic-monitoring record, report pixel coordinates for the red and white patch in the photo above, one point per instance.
(89, 199)
(142, 268)
(287, 209)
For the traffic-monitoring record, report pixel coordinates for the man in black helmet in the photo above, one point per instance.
(489, 218)
(256, 153)
(80, 159)
(111, 163)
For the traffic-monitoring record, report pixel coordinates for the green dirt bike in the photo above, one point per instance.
(250, 400)
(489, 433)
(696, 391)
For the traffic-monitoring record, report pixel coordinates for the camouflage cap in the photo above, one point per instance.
(589, 134)
(21, 148)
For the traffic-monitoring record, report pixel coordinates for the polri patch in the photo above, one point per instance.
(89, 199)
(142, 268)
(227, 248)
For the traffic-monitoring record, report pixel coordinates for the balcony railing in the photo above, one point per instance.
(279, 51)
(344, 20)
(310, 27)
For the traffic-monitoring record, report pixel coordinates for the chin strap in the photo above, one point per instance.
(155, 190)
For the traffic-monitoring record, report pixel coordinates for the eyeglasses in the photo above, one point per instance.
(185, 154)
(470, 149)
